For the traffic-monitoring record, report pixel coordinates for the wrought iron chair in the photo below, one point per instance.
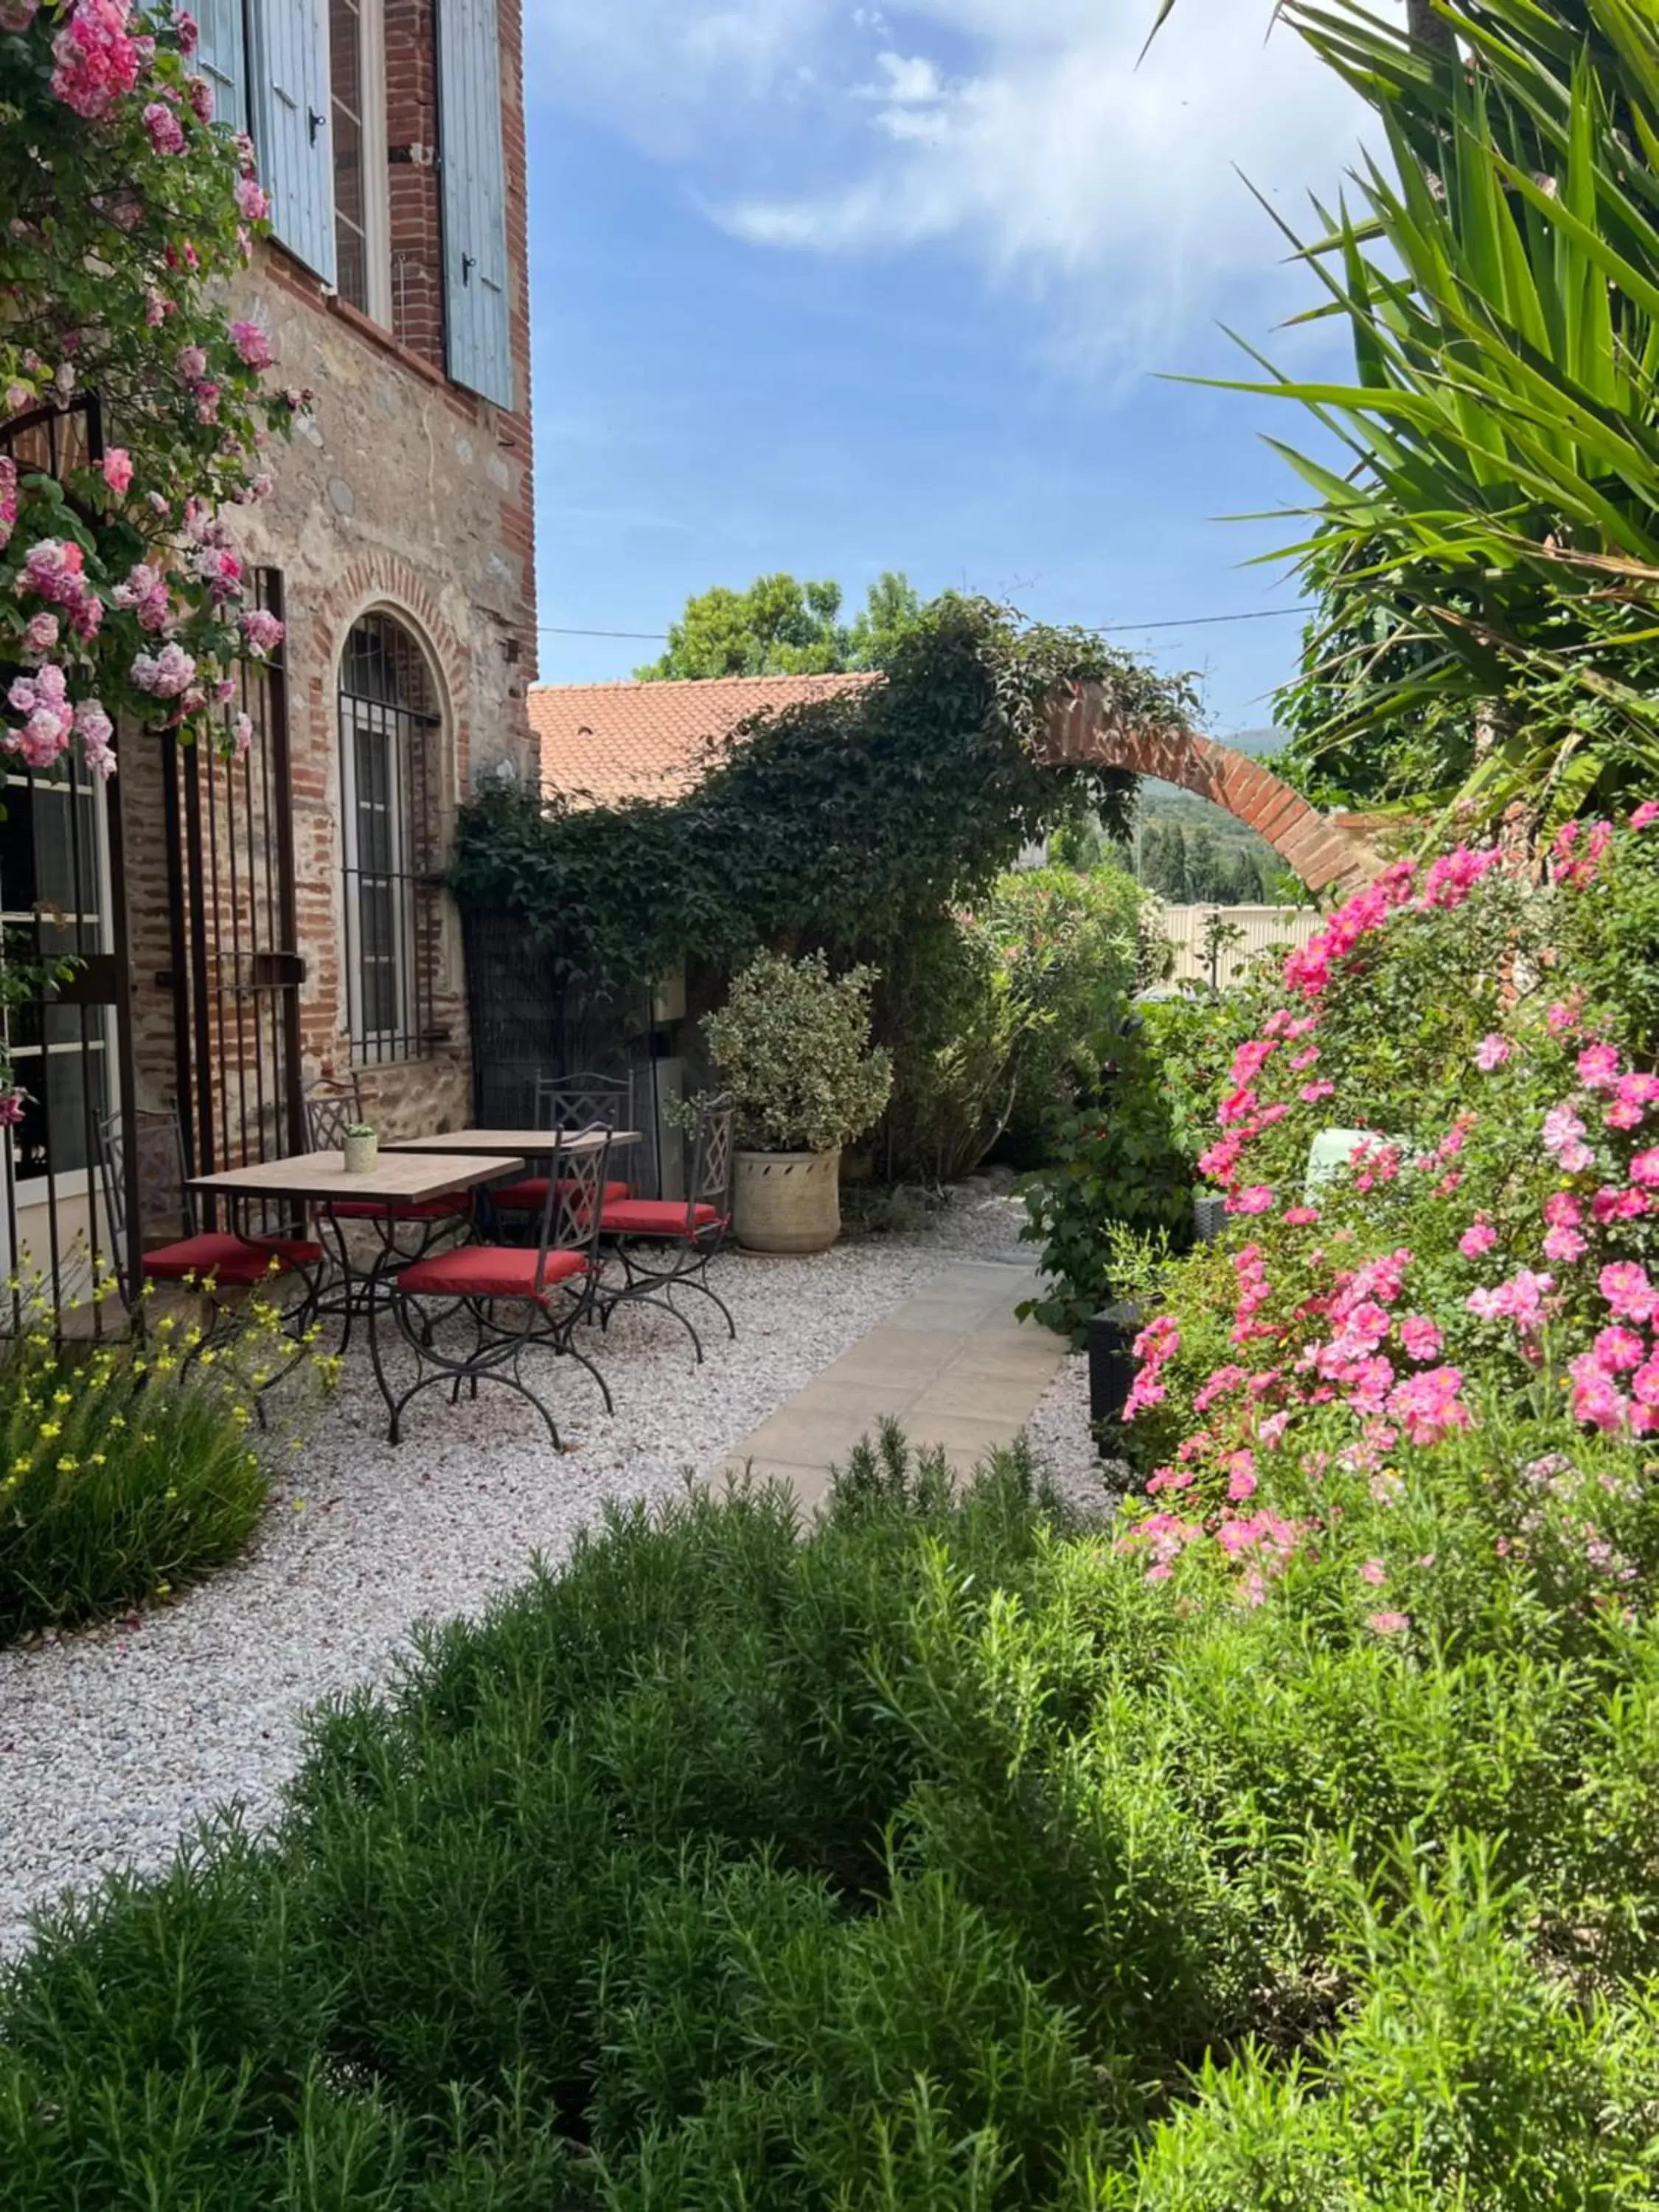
(333, 1105)
(568, 1104)
(551, 1287)
(205, 1262)
(665, 1244)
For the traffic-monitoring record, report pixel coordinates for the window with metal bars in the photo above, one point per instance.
(390, 731)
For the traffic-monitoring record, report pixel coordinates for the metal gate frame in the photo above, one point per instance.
(236, 970)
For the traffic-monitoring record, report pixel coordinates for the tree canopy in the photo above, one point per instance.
(839, 823)
(781, 626)
(1484, 553)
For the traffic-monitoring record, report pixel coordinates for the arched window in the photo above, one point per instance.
(389, 748)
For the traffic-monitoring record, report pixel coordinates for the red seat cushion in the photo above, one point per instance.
(229, 1259)
(419, 1209)
(530, 1195)
(487, 1271)
(655, 1217)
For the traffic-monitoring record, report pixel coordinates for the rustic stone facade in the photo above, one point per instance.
(399, 494)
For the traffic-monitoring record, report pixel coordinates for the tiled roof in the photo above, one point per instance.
(614, 741)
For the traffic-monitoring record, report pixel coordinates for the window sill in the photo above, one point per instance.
(378, 334)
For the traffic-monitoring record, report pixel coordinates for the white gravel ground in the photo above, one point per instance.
(113, 1742)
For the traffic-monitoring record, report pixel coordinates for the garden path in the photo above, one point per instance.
(950, 1362)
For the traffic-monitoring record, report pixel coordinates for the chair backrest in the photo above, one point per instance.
(163, 1195)
(332, 1106)
(711, 1154)
(583, 1102)
(572, 1215)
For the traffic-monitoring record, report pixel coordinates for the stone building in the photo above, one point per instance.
(247, 926)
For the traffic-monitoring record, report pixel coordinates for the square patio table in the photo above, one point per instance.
(532, 1143)
(396, 1179)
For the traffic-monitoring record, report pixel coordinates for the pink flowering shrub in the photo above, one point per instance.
(121, 590)
(1494, 1242)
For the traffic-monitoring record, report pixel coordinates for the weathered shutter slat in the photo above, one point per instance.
(291, 133)
(221, 58)
(477, 324)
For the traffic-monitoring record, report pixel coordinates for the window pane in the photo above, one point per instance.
(345, 42)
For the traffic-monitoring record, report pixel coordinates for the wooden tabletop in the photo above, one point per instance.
(399, 1178)
(532, 1142)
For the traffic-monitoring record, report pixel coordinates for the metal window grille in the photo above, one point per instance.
(345, 42)
(389, 731)
(235, 965)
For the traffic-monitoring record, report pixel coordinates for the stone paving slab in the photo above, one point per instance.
(951, 1365)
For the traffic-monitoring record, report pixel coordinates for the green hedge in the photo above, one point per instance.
(940, 1860)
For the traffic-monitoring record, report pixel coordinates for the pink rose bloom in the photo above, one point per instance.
(1256, 1199)
(1374, 1572)
(1557, 1019)
(17, 14)
(1313, 1092)
(1562, 1130)
(262, 631)
(252, 343)
(1595, 1401)
(1619, 1349)
(251, 202)
(1644, 1383)
(1598, 1067)
(1624, 1284)
(166, 132)
(1644, 1168)
(1477, 1238)
(1420, 1337)
(1622, 1114)
(1389, 1624)
(40, 633)
(1492, 1052)
(1615, 1205)
(117, 465)
(1563, 1246)
(1305, 1059)
(199, 93)
(1561, 1210)
(1301, 1216)
(1429, 1404)
(95, 58)
(1645, 815)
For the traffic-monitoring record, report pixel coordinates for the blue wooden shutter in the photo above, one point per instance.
(291, 132)
(478, 339)
(221, 58)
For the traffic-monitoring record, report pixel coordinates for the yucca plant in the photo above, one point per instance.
(1486, 566)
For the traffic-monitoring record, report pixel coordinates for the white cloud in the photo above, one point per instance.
(1019, 133)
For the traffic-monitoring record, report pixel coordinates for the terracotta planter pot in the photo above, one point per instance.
(786, 1201)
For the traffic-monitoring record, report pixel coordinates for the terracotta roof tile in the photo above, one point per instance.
(609, 742)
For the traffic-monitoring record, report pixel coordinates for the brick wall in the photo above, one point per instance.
(412, 180)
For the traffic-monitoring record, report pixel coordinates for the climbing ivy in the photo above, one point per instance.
(837, 823)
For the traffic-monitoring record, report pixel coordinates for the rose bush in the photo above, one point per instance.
(122, 593)
(1492, 1241)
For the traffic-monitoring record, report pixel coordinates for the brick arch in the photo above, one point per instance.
(1084, 727)
(378, 579)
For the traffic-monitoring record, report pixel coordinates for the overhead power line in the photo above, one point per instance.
(1185, 622)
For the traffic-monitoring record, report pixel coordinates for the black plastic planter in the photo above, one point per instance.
(1112, 1362)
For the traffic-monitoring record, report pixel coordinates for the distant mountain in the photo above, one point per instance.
(1261, 744)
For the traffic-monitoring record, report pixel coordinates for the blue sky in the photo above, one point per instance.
(836, 288)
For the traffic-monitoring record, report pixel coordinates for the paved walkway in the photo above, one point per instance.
(951, 1365)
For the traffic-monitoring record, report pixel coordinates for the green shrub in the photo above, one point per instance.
(990, 1012)
(120, 1480)
(792, 1044)
(936, 1860)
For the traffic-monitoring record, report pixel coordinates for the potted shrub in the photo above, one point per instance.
(791, 1045)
